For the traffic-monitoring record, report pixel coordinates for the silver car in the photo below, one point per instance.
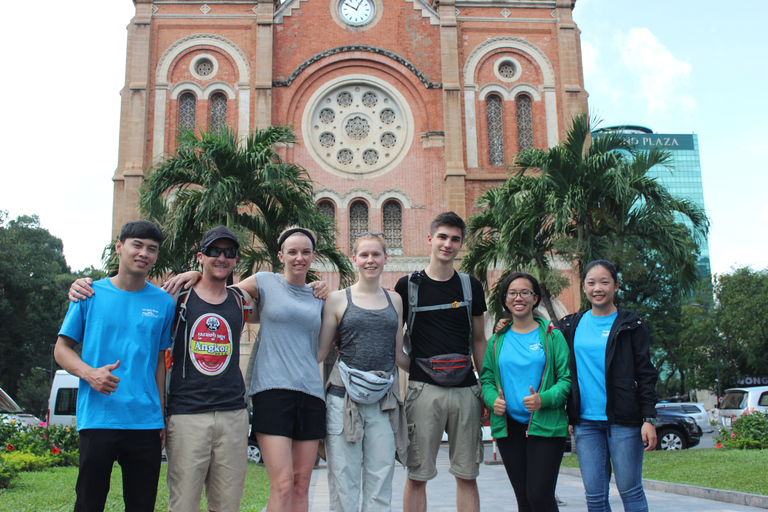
(696, 411)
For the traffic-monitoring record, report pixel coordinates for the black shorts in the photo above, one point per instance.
(288, 413)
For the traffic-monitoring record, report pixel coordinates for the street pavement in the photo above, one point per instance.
(496, 493)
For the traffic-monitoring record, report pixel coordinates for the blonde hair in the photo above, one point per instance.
(370, 236)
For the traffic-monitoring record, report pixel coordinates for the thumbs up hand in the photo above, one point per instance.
(533, 401)
(500, 405)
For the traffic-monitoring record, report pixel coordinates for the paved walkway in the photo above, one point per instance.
(496, 493)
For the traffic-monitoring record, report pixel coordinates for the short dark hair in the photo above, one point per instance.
(508, 281)
(141, 229)
(450, 220)
(607, 265)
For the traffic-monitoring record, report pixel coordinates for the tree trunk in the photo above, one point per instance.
(546, 298)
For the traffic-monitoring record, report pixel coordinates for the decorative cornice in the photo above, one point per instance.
(357, 48)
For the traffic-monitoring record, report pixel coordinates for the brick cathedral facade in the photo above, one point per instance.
(402, 108)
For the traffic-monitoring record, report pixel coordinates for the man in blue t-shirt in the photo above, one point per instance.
(124, 330)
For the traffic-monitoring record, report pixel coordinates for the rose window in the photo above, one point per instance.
(344, 99)
(327, 139)
(370, 100)
(327, 115)
(507, 70)
(370, 156)
(387, 116)
(358, 127)
(388, 140)
(345, 156)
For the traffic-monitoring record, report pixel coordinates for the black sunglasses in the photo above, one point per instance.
(213, 252)
(372, 233)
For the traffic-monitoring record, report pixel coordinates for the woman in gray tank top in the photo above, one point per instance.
(365, 420)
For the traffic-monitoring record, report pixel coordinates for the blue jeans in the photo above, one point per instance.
(600, 445)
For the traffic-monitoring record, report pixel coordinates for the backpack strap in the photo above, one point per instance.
(241, 302)
(181, 315)
(413, 300)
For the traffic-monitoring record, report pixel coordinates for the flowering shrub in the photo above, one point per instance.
(56, 442)
(749, 431)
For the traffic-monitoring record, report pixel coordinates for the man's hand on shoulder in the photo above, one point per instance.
(182, 281)
(81, 289)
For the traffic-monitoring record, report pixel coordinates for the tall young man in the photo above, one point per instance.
(124, 330)
(453, 407)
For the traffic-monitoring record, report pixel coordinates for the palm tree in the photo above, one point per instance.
(217, 178)
(582, 201)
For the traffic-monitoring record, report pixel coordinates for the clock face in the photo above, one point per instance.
(356, 12)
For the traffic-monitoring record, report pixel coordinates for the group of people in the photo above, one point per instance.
(128, 410)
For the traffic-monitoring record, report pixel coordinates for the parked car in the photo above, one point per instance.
(62, 404)
(696, 411)
(738, 400)
(10, 411)
(675, 431)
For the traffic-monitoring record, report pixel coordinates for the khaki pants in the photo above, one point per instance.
(209, 448)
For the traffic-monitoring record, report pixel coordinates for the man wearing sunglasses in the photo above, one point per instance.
(206, 409)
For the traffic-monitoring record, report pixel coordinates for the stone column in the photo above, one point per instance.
(262, 115)
(133, 118)
(455, 191)
(574, 97)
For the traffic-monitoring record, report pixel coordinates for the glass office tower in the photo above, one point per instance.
(684, 179)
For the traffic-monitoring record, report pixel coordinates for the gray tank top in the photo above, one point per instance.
(368, 336)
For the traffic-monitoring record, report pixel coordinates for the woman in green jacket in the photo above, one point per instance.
(525, 382)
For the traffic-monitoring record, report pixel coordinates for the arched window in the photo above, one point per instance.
(524, 122)
(187, 109)
(495, 130)
(327, 209)
(358, 222)
(218, 111)
(393, 227)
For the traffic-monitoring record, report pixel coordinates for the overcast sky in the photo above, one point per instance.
(688, 66)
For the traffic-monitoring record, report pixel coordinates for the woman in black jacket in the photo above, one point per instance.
(612, 404)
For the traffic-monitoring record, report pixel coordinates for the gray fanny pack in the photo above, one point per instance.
(364, 387)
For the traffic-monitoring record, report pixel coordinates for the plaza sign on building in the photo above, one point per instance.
(671, 142)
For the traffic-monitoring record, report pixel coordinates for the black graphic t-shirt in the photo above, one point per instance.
(206, 372)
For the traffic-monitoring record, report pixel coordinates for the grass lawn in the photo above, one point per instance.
(54, 490)
(734, 470)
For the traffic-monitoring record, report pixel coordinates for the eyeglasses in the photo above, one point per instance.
(373, 233)
(524, 294)
(213, 252)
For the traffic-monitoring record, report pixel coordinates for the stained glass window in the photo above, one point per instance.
(393, 227)
(358, 222)
(187, 108)
(495, 130)
(218, 111)
(524, 122)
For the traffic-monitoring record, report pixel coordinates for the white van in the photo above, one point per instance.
(10, 411)
(62, 404)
